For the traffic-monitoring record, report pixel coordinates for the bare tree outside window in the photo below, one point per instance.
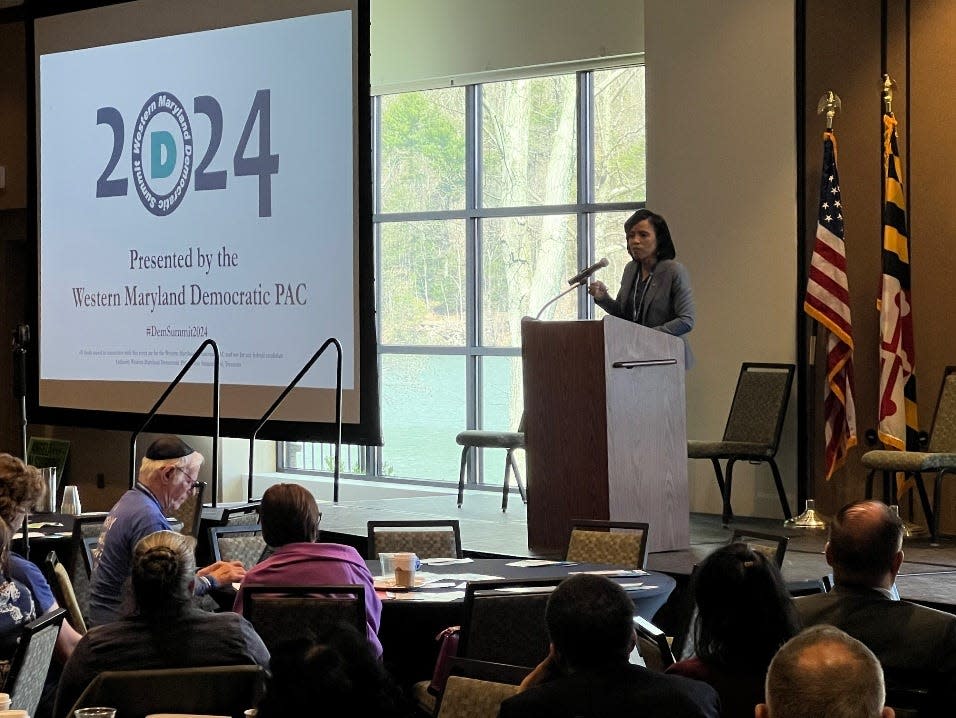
(530, 226)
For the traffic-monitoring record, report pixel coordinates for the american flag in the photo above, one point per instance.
(898, 425)
(828, 301)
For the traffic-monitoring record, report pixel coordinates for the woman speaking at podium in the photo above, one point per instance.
(655, 288)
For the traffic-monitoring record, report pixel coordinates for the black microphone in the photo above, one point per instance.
(585, 273)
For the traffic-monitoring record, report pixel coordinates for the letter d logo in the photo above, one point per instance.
(162, 154)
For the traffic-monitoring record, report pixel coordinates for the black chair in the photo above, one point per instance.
(652, 645)
(503, 621)
(242, 543)
(616, 543)
(281, 613)
(31, 661)
(939, 457)
(753, 428)
(773, 546)
(209, 690)
(509, 440)
(428, 539)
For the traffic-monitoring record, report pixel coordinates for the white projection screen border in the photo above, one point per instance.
(203, 171)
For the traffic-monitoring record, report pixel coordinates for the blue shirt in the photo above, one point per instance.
(27, 573)
(136, 515)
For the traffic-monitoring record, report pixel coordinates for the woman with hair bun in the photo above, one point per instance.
(164, 628)
(744, 615)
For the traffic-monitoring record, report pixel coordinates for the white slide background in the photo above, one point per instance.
(307, 244)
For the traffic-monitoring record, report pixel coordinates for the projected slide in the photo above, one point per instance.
(199, 186)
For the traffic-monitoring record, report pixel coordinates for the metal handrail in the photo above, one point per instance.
(338, 412)
(215, 416)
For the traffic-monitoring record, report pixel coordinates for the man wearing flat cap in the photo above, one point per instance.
(167, 476)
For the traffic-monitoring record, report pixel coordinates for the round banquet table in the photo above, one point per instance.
(411, 620)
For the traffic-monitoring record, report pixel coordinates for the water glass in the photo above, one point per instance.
(95, 712)
(48, 473)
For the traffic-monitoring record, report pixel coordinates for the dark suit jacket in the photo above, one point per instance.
(914, 644)
(624, 690)
(668, 302)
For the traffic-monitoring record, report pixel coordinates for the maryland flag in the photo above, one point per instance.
(898, 426)
(828, 301)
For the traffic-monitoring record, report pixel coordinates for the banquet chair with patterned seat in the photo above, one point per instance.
(426, 538)
(59, 580)
(753, 428)
(473, 698)
(615, 543)
(939, 457)
(31, 662)
(511, 441)
(190, 511)
(85, 526)
(206, 690)
(281, 613)
(243, 543)
(773, 546)
(503, 621)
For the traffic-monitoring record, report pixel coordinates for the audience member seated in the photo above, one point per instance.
(16, 605)
(334, 674)
(744, 614)
(587, 673)
(165, 630)
(910, 641)
(290, 525)
(167, 475)
(21, 490)
(823, 673)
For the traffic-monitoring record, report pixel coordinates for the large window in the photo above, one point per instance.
(488, 197)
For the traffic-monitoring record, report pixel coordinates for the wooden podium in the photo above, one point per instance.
(605, 430)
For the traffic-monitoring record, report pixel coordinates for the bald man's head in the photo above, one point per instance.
(824, 673)
(865, 543)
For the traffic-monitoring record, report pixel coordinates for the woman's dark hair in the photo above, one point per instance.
(665, 245)
(288, 514)
(333, 672)
(164, 565)
(744, 612)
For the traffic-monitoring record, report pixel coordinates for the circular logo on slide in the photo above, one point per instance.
(162, 153)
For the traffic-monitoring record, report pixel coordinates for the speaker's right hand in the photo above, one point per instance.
(598, 290)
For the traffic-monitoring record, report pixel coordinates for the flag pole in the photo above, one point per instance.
(910, 529)
(830, 104)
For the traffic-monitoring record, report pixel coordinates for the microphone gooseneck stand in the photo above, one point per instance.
(21, 337)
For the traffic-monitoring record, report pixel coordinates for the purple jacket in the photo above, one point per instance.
(302, 564)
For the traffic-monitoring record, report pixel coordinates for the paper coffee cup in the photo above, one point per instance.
(406, 564)
(4, 701)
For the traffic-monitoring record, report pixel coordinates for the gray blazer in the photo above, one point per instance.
(668, 303)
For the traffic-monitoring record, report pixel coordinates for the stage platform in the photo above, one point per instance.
(928, 574)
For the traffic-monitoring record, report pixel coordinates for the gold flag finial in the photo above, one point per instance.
(889, 86)
(831, 104)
